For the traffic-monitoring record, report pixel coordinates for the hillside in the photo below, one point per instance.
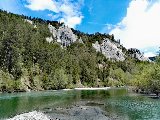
(36, 54)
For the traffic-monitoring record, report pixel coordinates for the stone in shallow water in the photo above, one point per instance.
(78, 113)
(30, 116)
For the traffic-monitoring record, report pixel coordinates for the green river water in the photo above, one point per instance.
(118, 104)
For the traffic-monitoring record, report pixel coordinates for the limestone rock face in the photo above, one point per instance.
(49, 39)
(53, 30)
(65, 36)
(29, 21)
(110, 50)
(62, 35)
(135, 53)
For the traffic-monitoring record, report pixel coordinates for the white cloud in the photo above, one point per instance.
(72, 15)
(140, 28)
(67, 11)
(72, 20)
(54, 17)
(149, 54)
(42, 5)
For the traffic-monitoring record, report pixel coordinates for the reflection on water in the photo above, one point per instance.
(118, 103)
(12, 104)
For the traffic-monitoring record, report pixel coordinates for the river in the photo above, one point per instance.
(118, 104)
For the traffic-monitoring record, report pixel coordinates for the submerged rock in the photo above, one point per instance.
(78, 113)
(71, 113)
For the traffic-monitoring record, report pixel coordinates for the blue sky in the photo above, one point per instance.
(135, 22)
(99, 13)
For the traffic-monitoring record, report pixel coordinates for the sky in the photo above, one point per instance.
(135, 22)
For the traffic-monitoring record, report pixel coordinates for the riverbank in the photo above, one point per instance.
(101, 88)
(84, 88)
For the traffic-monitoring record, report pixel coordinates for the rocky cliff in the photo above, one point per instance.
(110, 50)
(62, 35)
(135, 53)
(66, 37)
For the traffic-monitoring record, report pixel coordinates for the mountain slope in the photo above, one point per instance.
(36, 54)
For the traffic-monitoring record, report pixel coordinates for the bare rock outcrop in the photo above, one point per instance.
(110, 50)
(135, 53)
(62, 35)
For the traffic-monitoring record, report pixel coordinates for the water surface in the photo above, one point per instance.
(118, 104)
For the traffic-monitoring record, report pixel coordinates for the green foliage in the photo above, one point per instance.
(148, 78)
(6, 81)
(58, 79)
(118, 77)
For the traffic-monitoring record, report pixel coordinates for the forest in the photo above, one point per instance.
(29, 62)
